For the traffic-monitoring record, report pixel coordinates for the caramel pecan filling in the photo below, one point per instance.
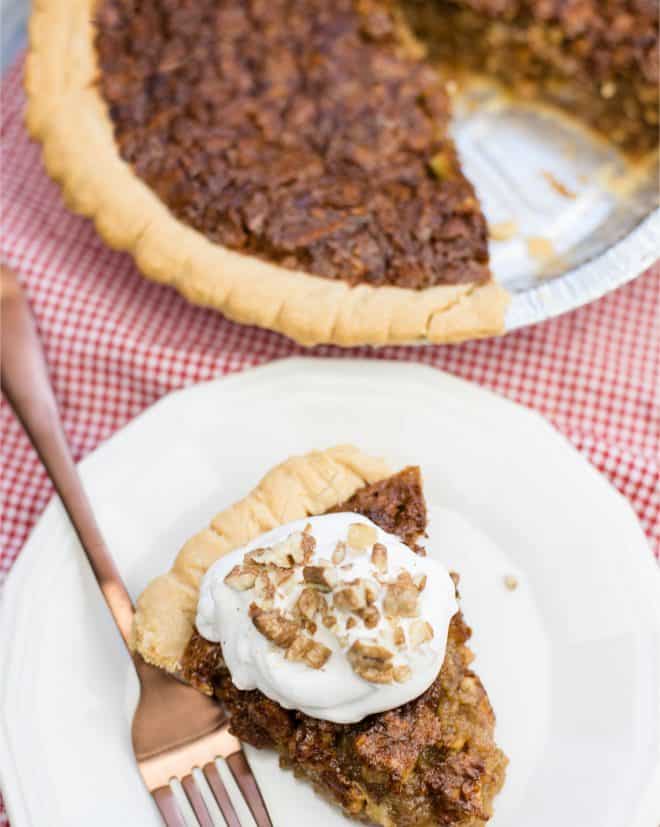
(308, 133)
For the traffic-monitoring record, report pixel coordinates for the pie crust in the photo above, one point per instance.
(299, 487)
(67, 114)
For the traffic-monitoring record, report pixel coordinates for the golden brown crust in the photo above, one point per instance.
(66, 113)
(299, 487)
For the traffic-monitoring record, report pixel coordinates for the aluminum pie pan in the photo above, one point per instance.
(618, 265)
(583, 220)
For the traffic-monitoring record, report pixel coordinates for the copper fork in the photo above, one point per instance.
(175, 728)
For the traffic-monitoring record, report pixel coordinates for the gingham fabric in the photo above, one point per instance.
(116, 343)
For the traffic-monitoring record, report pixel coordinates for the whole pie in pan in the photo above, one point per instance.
(431, 759)
(289, 162)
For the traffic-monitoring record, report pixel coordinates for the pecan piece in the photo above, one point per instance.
(361, 536)
(308, 651)
(398, 635)
(321, 577)
(401, 598)
(339, 553)
(355, 595)
(241, 577)
(419, 581)
(278, 575)
(277, 628)
(264, 590)
(402, 674)
(370, 617)
(371, 662)
(310, 602)
(420, 632)
(289, 552)
(307, 544)
(255, 556)
(379, 557)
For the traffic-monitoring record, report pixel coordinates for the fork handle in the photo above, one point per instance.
(28, 390)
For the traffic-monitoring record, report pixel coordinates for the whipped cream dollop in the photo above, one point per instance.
(330, 616)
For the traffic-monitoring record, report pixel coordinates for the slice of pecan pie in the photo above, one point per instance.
(431, 760)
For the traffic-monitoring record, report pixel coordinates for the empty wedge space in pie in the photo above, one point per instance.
(311, 611)
(290, 163)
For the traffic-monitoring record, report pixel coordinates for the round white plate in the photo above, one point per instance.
(571, 659)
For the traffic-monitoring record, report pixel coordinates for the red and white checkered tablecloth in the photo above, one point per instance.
(116, 343)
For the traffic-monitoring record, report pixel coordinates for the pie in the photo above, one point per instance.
(432, 760)
(289, 162)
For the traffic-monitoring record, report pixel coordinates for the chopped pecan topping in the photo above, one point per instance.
(277, 628)
(285, 554)
(339, 553)
(370, 591)
(401, 599)
(370, 617)
(361, 536)
(241, 577)
(371, 662)
(398, 635)
(308, 651)
(351, 622)
(288, 586)
(355, 595)
(379, 557)
(321, 577)
(279, 576)
(254, 556)
(308, 544)
(264, 590)
(310, 602)
(402, 673)
(329, 621)
(420, 632)
(419, 581)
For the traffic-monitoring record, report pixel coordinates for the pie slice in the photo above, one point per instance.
(432, 760)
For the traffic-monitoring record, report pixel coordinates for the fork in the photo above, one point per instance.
(176, 729)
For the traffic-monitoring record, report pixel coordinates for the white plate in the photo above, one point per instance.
(571, 658)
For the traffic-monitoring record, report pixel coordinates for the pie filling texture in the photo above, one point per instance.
(597, 59)
(301, 131)
(431, 761)
(315, 135)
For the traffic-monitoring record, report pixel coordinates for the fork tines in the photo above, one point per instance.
(228, 748)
